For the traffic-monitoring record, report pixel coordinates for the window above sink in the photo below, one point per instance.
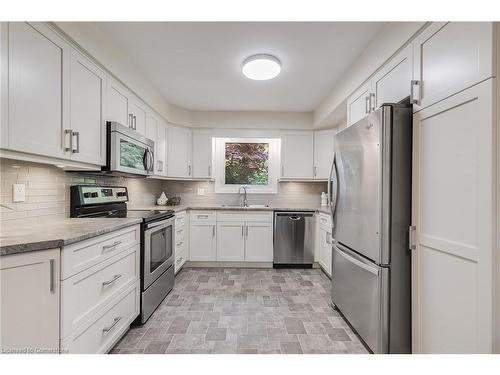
(252, 162)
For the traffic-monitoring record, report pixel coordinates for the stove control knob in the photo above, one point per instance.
(87, 195)
(94, 195)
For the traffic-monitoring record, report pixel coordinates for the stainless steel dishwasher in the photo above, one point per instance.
(293, 238)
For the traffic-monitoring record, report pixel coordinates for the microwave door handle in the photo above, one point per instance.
(152, 155)
(145, 160)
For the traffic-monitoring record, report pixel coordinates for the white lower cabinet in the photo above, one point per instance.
(231, 241)
(30, 288)
(180, 241)
(259, 242)
(100, 290)
(202, 236)
(325, 243)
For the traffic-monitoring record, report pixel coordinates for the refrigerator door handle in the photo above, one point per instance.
(358, 263)
(332, 195)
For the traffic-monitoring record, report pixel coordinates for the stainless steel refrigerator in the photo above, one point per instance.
(371, 209)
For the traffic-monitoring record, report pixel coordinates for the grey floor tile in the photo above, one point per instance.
(291, 348)
(216, 334)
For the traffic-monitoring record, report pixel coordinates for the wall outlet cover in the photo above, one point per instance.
(18, 193)
(201, 191)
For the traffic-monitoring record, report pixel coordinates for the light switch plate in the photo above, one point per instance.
(18, 193)
(201, 191)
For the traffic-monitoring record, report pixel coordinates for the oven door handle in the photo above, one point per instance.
(164, 223)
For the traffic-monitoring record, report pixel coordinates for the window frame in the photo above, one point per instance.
(273, 166)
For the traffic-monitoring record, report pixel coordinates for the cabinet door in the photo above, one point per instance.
(202, 154)
(453, 196)
(87, 112)
(152, 133)
(179, 152)
(161, 150)
(38, 90)
(449, 57)
(202, 242)
(139, 111)
(30, 301)
(358, 104)
(231, 241)
(327, 253)
(297, 155)
(4, 77)
(259, 242)
(118, 103)
(391, 84)
(323, 153)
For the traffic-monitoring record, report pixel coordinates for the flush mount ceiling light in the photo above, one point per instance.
(261, 67)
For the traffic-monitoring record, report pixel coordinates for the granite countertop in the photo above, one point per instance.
(43, 236)
(230, 208)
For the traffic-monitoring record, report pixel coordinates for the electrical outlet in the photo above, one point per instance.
(201, 191)
(18, 193)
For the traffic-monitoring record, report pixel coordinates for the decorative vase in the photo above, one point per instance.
(162, 201)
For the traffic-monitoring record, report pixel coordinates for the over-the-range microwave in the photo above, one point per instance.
(128, 152)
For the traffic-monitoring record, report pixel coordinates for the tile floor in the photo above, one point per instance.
(255, 311)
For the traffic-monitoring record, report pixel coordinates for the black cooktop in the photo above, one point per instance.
(150, 215)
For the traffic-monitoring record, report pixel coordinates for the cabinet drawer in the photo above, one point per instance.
(179, 234)
(82, 255)
(84, 294)
(255, 216)
(203, 216)
(180, 219)
(325, 221)
(107, 326)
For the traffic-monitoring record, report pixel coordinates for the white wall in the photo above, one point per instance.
(252, 120)
(386, 43)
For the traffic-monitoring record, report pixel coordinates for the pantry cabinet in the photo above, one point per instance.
(87, 108)
(179, 151)
(202, 153)
(38, 79)
(323, 153)
(454, 225)
(297, 155)
(449, 57)
(30, 290)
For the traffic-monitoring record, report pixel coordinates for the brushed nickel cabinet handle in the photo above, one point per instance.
(52, 272)
(111, 247)
(367, 104)
(77, 134)
(213, 230)
(115, 322)
(70, 132)
(111, 281)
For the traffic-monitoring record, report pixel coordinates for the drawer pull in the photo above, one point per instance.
(111, 247)
(180, 243)
(115, 321)
(116, 277)
(202, 216)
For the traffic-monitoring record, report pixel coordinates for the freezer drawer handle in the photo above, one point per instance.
(358, 263)
(295, 217)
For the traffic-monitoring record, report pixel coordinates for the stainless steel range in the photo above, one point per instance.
(157, 238)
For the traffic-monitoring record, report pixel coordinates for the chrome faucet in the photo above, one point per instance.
(245, 201)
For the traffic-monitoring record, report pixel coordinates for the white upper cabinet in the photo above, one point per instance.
(391, 84)
(323, 153)
(358, 104)
(156, 130)
(179, 151)
(4, 130)
(87, 110)
(139, 112)
(297, 155)
(202, 153)
(449, 57)
(118, 103)
(38, 89)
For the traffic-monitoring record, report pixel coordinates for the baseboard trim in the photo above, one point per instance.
(229, 264)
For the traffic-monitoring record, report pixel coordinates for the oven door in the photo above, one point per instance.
(130, 155)
(158, 249)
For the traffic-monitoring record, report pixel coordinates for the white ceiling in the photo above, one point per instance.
(197, 65)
